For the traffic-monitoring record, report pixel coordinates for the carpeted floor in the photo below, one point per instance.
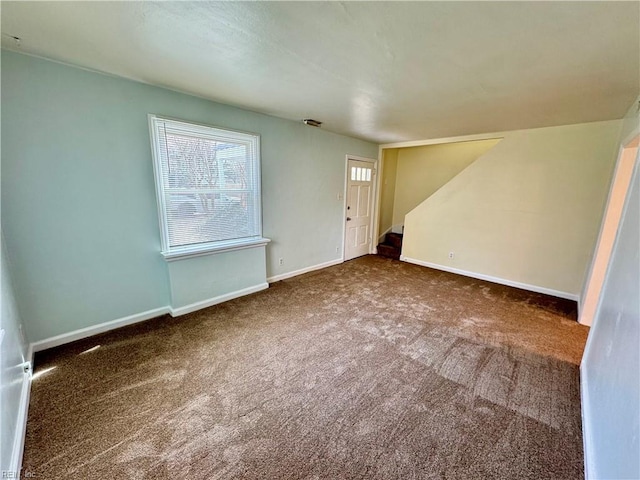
(373, 369)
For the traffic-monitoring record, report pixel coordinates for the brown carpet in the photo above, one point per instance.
(373, 369)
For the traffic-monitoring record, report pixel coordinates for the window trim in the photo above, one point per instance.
(178, 253)
(219, 246)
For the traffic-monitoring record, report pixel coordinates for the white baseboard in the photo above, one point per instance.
(284, 276)
(176, 312)
(30, 355)
(489, 278)
(18, 445)
(96, 329)
(589, 468)
(131, 319)
(15, 462)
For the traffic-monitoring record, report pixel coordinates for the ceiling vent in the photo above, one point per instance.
(311, 122)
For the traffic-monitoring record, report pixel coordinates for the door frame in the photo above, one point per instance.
(628, 157)
(374, 199)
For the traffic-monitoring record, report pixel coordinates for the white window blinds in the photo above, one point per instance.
(208, 185)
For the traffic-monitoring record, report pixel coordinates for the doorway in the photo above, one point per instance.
(359, 207)
(609, 229)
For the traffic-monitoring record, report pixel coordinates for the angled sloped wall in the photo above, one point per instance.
(422, 170)
(527, 212)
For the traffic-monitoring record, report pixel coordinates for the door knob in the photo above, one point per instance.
(348, 219)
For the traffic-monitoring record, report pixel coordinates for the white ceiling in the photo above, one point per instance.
(382, 71)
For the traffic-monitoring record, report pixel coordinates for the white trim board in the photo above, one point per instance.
(136, 318)
(96, 329)
(30, 354)
(176, 312)
(438, 141)
(295, 273)
(489, 278)
(381, 236)
(18, 445)
(15, 462)
(587, 441)
(398, 228)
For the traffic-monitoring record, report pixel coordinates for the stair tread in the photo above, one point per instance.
(390, 251)
(394, 239)
(391, 247)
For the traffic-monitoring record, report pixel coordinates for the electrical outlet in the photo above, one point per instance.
(451, 255)
(281, 261)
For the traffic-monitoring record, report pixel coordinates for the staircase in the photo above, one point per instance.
(392, 246)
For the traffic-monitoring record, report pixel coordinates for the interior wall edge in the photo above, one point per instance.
(609, 384)
(483, 136)
(442, 140)
(629, 134)
(422, 171)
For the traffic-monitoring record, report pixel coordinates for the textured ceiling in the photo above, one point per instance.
(382, 71)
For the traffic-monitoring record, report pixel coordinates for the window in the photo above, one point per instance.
(360, 174)
(207, 186)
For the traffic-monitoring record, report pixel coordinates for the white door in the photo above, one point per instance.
(360, 178)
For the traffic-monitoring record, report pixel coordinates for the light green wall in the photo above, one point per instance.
(423, 170)
(388, 188)
(78, 200)
(192, 280)
(527, 211)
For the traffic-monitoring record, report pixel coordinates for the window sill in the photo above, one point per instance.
(219, 247)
